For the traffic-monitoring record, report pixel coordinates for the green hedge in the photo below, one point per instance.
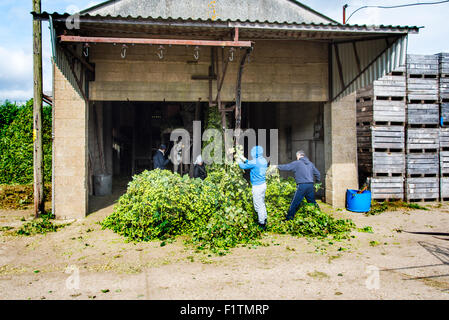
(16, 143)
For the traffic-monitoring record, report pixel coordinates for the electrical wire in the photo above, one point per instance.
(397, 6)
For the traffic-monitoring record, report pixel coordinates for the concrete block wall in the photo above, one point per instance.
(70, 152)
(279, 71)
(340, 145)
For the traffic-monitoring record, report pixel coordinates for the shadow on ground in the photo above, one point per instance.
(118, 189)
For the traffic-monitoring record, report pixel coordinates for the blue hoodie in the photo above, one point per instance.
(258, 166)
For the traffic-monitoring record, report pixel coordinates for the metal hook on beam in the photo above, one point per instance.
(160, 54)
(231, 54)
(123, 53)
(86, 50)
(196, 53)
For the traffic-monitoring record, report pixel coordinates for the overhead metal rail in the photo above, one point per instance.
(180, 42)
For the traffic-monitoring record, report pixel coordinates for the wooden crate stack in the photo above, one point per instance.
(444, 87)
(444, 163)
(381, 136)
(423, 115)
(444, 122)
(403, 131)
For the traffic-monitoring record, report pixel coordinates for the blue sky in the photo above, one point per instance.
(16, 72)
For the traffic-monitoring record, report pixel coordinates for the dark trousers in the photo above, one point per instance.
(302, 190)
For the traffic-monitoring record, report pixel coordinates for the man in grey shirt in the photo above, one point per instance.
(306, 174)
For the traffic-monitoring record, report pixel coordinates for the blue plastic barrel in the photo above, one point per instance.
(358, 202)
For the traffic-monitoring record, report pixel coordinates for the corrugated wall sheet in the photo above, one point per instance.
(391, 59)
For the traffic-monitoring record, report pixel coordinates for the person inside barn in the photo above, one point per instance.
(199, 169)
(258, 168)
(159, 161)
(306, 174)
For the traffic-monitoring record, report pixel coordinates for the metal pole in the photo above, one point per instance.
(39, 205)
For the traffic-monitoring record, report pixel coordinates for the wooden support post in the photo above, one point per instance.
(39, 202)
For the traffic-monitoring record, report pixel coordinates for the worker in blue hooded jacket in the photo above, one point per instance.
(258, 168)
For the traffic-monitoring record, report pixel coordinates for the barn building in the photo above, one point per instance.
(126, 72)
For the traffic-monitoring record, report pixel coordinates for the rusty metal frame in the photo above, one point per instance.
(238, 95)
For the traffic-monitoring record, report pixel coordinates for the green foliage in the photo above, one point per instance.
(379, 207)
(366, 229)
(309, 220)
(41, 225)
(216, 214)
(8, 112)
(16, 143)
(159, 204)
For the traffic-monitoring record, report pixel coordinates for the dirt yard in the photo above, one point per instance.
(81, 261)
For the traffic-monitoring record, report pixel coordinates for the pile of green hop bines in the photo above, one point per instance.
(215, 214)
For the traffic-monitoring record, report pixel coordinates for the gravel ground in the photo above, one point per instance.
(81, 261)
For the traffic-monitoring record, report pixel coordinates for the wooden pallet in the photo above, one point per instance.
(423, 114)
(444, 163)
(420, 89)
(423, 188)
(423, 138)
(444, 187)
(444, 138)
(381, 137)
(422, 64)
(380, 164)
(423, 164)
(387, 188)
(380, 111)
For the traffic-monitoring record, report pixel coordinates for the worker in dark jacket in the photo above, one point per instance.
(306, 174)
(199, 169)
(159, 161)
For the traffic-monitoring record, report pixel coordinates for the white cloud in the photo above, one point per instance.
(16, 67)
(16, 74)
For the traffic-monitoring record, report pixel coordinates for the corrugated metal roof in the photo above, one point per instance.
(284, 11)
(244, 24)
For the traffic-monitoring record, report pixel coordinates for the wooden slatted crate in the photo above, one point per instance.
(443, 63)
(381, 111)
(423, 114)
(423, 139)
(421, 89)
(444, 139)
(387, 188)
(381, 138)
(382, 163)
(423, 164)
(422, 64)
(423, 188)
(387, 86)
(444, 87)
(444, 187)
(444, 163)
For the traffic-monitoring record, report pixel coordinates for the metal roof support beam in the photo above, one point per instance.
(72, 69)
(180, 42)
(340, 69)
(89, 67)
(357, 59)
(364, 69)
